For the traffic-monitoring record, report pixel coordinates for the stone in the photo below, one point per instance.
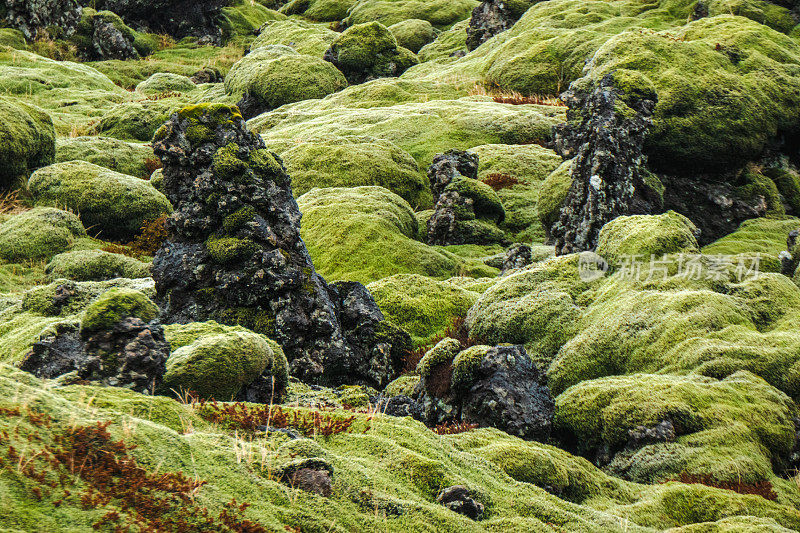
(178, 18)
(37, 18)
(110, 43)
(458, 499)
(605, 134)
(310, 480)
(489, 18)
(518, 256)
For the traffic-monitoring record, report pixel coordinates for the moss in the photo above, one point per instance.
(443, 353)
(402, 386)
(227, 164)
(352, 162)
(788, 184)
(440, 13)
(448, 44)
(260, 321)
(305, 37)
(112, 204)
(243, 19)
(218, 366)
(95, 265)
(758, 187)
(114, 305)
(485, 201)
(237, 220)
(367, 48)
(420, 305)
(144, 44)
(134, 121)
(27, 141)
(367, 233)
(466, 364)
(646, 236)
(38, 234)
(554, 193)
(13, 38)
(764, 237)
(278, 75)
(413, 34)
(319, 10)
(165, 82)
(226, 250)
(133, 159)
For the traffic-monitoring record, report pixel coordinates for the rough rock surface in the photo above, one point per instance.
(311, 480)
(235, 255)
(791, 257)
(488, 19)
(34, 17)
(458, 499)
(518, 256)
(605, 134)
(181, 18)
(110, 43)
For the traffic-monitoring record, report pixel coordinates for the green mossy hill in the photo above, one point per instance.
(353, 162)
(165, 82)
(406, 463)
(370, 50)
(241, 21)
(319, 10)
(646, 236)
(763, 237)
(95, 265)
(39, 233)
(367, 233)
(517, 173)
(27, 141)
(447, 44)
(305, 37)
(440, 13)
(413, 33)
(217, 366)
(133, 159)
(134, 121)
(110, 203)
(420, 305)
(421, 129)
(717, 434)
(13, 39)
(116, 304)
(278, 75)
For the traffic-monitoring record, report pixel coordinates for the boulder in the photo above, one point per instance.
(492, 17)
(459, 499)
(38, 18)
(182, 18)
(39, 233)
(413, 33)
(95, 265)
(27, 141)
(367, 51)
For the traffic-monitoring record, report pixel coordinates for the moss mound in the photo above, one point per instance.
(133, 159)
(27, 141)
(134, 121)
(116, 304)
(319, 10)
(165, 82)
(38, 234)
(420, 305)
(305, 37)
(241, 21)
(352, 162)
(413, 33)
(646, 236)
(448, 44)
(95, 265)
(278, 75)
(367, 51)
(110, 203)
(763, 237)
(440, 13)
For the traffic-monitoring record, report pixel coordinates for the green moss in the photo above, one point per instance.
(447, 43)
(554, 193)
(486, 203)
(235, 221)
(368, 47)
(227, 164)
(109, 203)
(466, 364)
(443, 353)
(278, 75)
(38, 234)
(764, 237)
(217, 366)
(116, 304)
(134, 121)
(352, 162)
(95, 265)
(440, 13)
(243, 19)
(646, 236)
(120, 156)
(319, 10)
(788, 184)
(259, 321)
(165, 82)
(402, 386)
(13, 38)
(420, 305)
(226, 250)
(413, 33)
(28, 141)
(305, 37)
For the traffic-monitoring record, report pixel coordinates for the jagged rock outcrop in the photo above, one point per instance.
(790, 259)
(467, 211)
(37, 18)
(235, 255)
(492, 17)
(518, 256)
(181, 18)
(605, 135)
(108, 42)
(459, 499)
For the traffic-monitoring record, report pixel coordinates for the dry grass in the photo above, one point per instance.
(515, 98)
(11, 203)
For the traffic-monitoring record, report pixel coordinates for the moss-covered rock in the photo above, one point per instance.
(134, 121)
(242, 19)
(218, 366)
(367, 233)
(646, 236)
(440, 13)
(442, 353)
(352, 162)
(413, 33)
(420, 305)
(95, 265)
(165, 82)
(38, 234)
(110, 203)
(448, 45)
(278, 75)
(133, 159)
(762, 237)
(27, 141)
(319, 10)
(116, 304)
(553, 194)
(367, 51)
(305, 37)
(13, 38)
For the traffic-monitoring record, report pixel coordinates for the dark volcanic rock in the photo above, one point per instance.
(310, 480)
(55, 355)
(178, 18)
(458, 499)
(790, 259)
(488, 19)
(518, 256)
(37, 18)
(605, 133)
(235, 255)
(110, 43)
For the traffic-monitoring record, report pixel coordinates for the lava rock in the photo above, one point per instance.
(488, 19)
(178, 18)
(605, 134)
(518, 256)
(55, 355)
(38, 18)
(399, 406)
(458, 499)
(110, 43)
(642, 436)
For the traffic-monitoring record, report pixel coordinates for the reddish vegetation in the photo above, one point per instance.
(761, 488)
(454, 428)
(517, 99)
(439, 380)
(152, 164)
(250, 418)
(153, 235)
(500, 181)
(456, 330)
(105, 476)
